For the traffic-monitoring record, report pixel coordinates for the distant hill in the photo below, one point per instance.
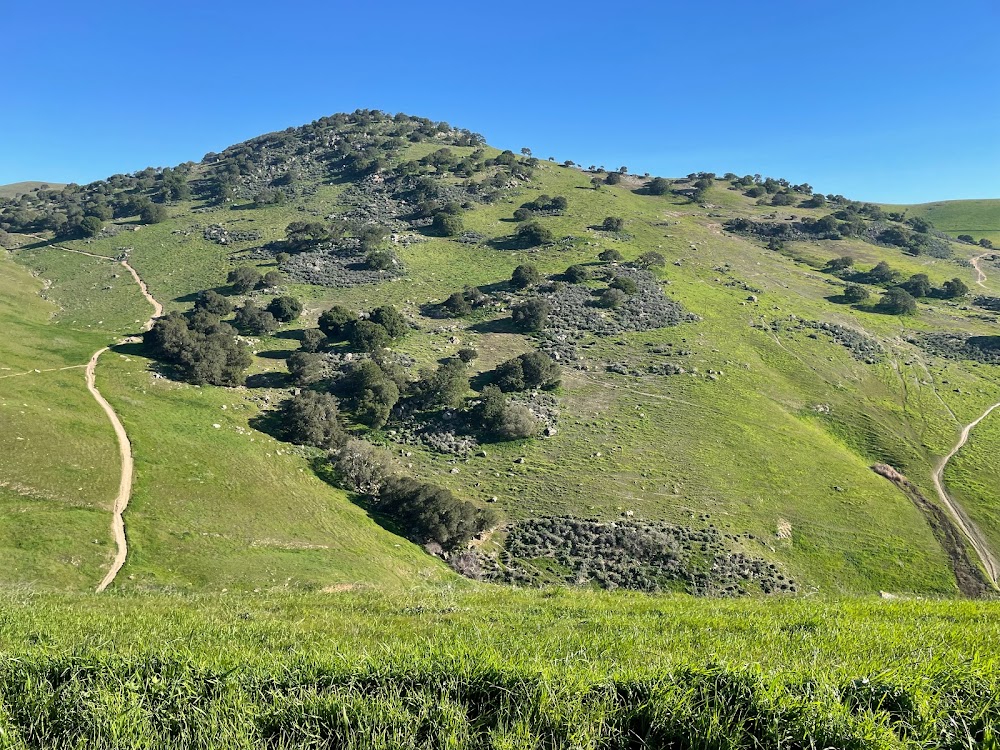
(979, 218)
(15, 189)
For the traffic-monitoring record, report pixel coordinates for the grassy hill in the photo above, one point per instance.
(15, 189)
(756, 419)
(979, 218)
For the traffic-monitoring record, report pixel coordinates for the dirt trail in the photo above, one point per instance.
(975, 537)
(35, 372)
(124, 445)
(124, 484)
(980, 276)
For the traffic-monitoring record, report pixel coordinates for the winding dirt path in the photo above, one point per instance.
(124, 445)
(975, 537)
(980, 276)
(124, 484)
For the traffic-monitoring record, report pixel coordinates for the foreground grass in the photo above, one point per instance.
(494, 668)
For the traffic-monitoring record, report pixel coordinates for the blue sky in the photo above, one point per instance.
(877, 100)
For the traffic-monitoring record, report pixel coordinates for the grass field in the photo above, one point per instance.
(495, 668)
(58, 458)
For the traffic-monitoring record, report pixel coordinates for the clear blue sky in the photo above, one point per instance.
(878, 100)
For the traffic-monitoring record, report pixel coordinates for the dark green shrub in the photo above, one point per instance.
(333, 322)
(525, 275)
(285, 309)
(531, 315)
(311, 418)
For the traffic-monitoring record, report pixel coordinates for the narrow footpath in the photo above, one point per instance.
(124, 445)
(961, 518)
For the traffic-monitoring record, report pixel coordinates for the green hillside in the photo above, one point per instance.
(979, 218)
(727, 406)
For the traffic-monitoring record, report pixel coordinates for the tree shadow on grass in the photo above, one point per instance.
(496, 286)
(481, 380)
(837, 299)
(275, 354)
(497, 325)
(512, 242)
(268, 421)
(269, 380)
(132, 349)
(193, 296)
(323, 468)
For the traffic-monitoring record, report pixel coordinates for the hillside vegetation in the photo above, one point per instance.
(684, 388)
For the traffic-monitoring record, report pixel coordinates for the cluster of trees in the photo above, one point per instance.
(351, 145)
(372, 388)
(260, 321)
(867, 221)
(542, 204)
(301, 236)
(756, 186)
(433, 514)
(901, 295)
(383, 325)
(201, 347)
(983, 242)
(204, 348)
(464, 302)
(528, 371)
(247, 278)
(426, 513)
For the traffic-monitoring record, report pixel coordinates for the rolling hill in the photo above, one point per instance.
(16, 189)
(718, 419)
(978, 218)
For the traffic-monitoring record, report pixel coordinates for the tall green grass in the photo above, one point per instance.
(493, 668)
